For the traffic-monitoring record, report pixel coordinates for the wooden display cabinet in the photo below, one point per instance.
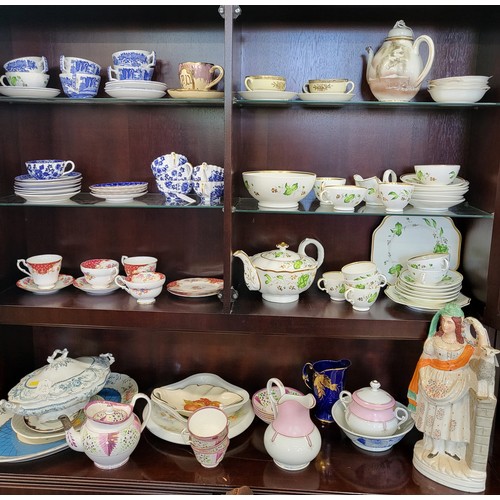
(244, 340)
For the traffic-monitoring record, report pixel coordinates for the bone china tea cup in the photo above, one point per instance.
(359, 270)
(129, 73)
(199, 75)
(99, 273)
(265, 82)
(206, 427)
(430, 262)
(322, 182)
(43, 269)
(332, 282)
(343, 197)
(49, 169)
(24, 79)
(362, 298)
(332, 85)
(172, 166)
(134, 57)
(139, 264)
(144, 287)
(208, 173)
(373, 281)
(80, 85)
(395, 195)
(78, 65)
(28, 64)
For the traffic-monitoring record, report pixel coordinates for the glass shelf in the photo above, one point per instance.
(149, 200)
(312, 207)
(111, 101)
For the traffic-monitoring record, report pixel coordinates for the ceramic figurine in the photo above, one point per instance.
(396, 71)
(451, 400)
(291, 438)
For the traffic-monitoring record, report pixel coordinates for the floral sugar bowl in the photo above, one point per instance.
(371, 411)
(281, 274)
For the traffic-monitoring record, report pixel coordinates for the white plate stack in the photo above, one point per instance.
(459, 89)
(119, 192)
(48, 190)
(135, 89)
(435, 197)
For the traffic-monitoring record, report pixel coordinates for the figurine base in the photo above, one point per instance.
(448, 471)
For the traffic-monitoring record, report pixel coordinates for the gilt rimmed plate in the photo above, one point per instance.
(28, 284)
(195, 94)
(399, 238)
(31, 92)
(393, 294)
(196, 287)
(267, 95)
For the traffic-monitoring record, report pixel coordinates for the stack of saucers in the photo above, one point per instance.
(119, 192)
(430, 296)
(135, 89)
(48, 190)
(435, 197)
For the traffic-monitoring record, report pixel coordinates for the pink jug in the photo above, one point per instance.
(292, 439)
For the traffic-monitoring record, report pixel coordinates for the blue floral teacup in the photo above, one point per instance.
(80, 85)
(28, 63)
(208, 173)
(136, 58)
(49, 169)
(130, 73)
(78, 65)
(210, 193)
(172, 166)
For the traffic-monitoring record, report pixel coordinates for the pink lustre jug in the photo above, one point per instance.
(291, 438)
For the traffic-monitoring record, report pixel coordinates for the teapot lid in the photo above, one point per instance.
(107, 412)
(283, 259)
(400, 30)
(373, 397)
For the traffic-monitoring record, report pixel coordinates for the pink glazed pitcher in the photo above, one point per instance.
(292, 439)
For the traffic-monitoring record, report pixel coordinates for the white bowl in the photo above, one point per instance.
(196, 387)
(437, 174)
(278, 189)
(457, 95)
(461, 80)
(369, 443)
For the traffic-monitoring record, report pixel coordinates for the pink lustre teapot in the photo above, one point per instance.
(110, 432)
(396, 71)
(292, 439)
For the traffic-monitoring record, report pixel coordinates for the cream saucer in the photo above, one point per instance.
(326, 96)
(28, 284)
(267, 95)
(195, 94)
(82, 284)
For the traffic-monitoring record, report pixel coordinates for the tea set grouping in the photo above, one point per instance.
(101, 277)
(129, 77)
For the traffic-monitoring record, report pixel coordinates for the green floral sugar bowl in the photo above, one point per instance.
(281, 275)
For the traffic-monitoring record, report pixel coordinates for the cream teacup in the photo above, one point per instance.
(374, 281)
(427, 277)
(430, 262)
(332, 282)
(361, 269)
(330, 85)
(343, 197)
(362, 299)
(322, 182)
(265, 82)
(395, 195)
(43, 269)
(206, 428)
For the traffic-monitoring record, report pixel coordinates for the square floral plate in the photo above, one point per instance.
(399, 237)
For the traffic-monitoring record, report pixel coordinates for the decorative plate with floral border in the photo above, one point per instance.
(399, 237)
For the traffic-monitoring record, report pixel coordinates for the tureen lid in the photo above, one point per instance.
(400, 30)
(283, 259)
(62, 379)
(374, 397)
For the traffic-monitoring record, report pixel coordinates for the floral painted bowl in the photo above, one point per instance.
(262, 405)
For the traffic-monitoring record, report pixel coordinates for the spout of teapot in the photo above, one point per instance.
(358, 177)
(251, 275)
(73, 436)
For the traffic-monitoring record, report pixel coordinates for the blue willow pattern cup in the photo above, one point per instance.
(29, 63)
(170, 166)
(129, 73)
(78, 65)
(326, 379)
(136, 58)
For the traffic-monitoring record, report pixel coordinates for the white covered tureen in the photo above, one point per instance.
(63, 386)
(280, 274)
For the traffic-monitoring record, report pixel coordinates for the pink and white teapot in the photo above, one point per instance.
(371, 411)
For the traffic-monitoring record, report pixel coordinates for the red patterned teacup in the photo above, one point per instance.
(140, 264)
(43, 269)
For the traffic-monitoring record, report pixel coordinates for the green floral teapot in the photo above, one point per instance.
(281, 275)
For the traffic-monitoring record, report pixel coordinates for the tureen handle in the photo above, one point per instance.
(318, 245)
(64, 354)
(281, 393)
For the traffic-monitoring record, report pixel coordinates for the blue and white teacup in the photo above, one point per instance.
(172, 166)
(78, 65)
(49, 169)
(135, 58)
(169, 186)
(210, 193)
(208, 173)
(80, 85)
(129, 73)
(29, 63)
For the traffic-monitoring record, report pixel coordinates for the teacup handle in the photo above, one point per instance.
(122, 260)
(119, 281)
(305, 88)
(347, 295)
(322, 194)
(61, 64)
(248, 81)
(112, 73)
(320, 283)
(218, 77)
(189, 169)
(45, 64)
(350, 82)
(23, 262)
(2, 78)
(203, 172)
(70, 164)
(389, 176)
(152, 58)
(382, 280)
(147, 414)
(446, 265)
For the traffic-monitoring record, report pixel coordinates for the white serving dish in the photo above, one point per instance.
(197, 386)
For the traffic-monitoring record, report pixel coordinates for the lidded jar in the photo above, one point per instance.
(371, 411)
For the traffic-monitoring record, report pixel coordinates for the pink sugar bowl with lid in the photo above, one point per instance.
(372, 411)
